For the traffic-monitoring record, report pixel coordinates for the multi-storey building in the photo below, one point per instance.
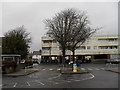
(97, 47)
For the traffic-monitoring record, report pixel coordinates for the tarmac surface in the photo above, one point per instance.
(49, 76)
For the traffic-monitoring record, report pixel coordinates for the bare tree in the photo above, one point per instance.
(78, 38)
(70, 28)
(79, 32)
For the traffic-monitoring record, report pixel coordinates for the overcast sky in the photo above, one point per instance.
(32, 15)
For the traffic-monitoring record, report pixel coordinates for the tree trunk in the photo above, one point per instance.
(73, 56)
(63, 57)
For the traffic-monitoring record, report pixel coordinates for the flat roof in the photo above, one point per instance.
(10, 55)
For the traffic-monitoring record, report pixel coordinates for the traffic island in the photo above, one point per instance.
(117, 70)
(21, 72)
(70, 71)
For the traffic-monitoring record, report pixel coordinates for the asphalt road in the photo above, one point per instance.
(49, 76)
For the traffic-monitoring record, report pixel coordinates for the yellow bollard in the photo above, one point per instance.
(74, 68)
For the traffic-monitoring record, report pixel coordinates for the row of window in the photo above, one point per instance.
(108, 40)
(83, 47)
(90, 40)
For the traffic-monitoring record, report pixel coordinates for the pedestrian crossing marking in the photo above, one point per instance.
(51, 69)
(97, 69)
(58, 69)
(43, 69)
(102, 68)
(82, 68)
(90, 69)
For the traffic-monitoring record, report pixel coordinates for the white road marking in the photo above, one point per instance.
(68, 81)
(82, 68)
(92, 76)
(90, 69)
(102, 68)
(56, 83)
(39, 82)
(87, 78)
(72, 80)
(15, 85)
(97, 69)
(77, 80)
(28, 84)
(58, 69)
(1, 85)
(43, 69)
(51, 69)
(55, 77)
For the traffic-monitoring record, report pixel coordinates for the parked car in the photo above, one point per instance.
(86, 61)
(22, 61)
(113, 61)
(36, 62)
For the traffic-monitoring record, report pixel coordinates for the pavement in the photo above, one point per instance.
(113, 68)
(116, 70)
(21, 72)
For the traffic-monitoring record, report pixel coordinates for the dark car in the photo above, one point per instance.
(114, 61)
(35, 61)
(86, 61)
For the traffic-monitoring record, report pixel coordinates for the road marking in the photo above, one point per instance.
(15, 85)
(90, 69)
(82, 68)
(56, 83)
(68, 81)
(92, 76)
(89, 77)
(55, 77)
(28, 84)
(58, 69)
(97, 69)
(1, 85)
(43, 69)
(102, 68)
(39, 82)
(51, 69)
(77, 80)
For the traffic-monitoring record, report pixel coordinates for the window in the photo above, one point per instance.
(46, 48)
(108, 47)
(47, 41)
(95, 47)
(108, 39)
(55, 48)
(7, 58)
(88, 47)
(82, 47)
(54, 41)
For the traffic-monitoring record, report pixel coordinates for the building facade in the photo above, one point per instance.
(97, 47)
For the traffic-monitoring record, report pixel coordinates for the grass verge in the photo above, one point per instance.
(70, 71)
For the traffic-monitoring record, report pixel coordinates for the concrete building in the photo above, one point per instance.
(97, 47)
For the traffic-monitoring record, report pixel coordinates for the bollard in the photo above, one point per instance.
(74, 68)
